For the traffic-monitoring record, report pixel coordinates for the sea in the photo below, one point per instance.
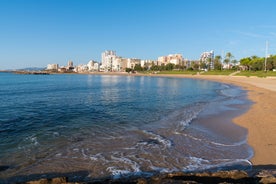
(111, 126)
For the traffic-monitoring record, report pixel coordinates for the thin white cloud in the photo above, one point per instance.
(273, 34)
(233, 42)
(272, 26)
(250, 34)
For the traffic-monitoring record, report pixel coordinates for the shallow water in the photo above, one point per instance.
(118, 125)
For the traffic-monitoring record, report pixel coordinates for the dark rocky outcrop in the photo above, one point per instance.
(235, 176)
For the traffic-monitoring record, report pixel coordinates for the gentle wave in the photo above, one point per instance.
(200, 164)
(214, 143)
(162, 140)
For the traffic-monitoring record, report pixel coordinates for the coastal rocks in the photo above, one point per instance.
(267, 176)
(205, 177)
(235, 176)
(59, 180)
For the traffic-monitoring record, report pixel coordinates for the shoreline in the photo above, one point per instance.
(260, 119)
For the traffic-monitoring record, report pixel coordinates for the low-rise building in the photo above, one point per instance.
(131, 62)
(171, 58)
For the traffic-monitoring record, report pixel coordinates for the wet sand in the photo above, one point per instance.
(260, 119)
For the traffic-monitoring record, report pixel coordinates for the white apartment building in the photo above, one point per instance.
(52, 67)
(90, 65)
(112, 62)
(108, 57)
(93, 66)
(117, 64)
(205, 56)
(147, 62)
(96, 67)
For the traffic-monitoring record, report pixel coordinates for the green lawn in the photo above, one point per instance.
(257, 73)
(218, 72)
(186, 72)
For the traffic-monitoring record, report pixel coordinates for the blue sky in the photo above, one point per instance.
(34, 33)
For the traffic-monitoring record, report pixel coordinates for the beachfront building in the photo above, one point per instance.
(147, 63)
(176, 59)
(186, 63)
(108, 57)
(208, 59)
(93, 66)
(114, 63)
(96, 66)
(117, 64)
(124, 62)
(70, 66)
(81, 68)
(53, 67)
(131, 62)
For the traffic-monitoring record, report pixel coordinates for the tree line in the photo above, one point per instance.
(256, 63)
(253, 63)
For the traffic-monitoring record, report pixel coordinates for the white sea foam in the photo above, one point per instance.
(229, 91)
(58, 155)
(215, 143)
(56, 134)
(84, 154)
(134, 165)
(117, 173)
(165, 142)
(97, 157)
(197, 164)
(163, 170)
(186, 115)
(29, 141)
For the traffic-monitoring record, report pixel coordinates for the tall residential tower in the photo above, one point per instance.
(108, 57)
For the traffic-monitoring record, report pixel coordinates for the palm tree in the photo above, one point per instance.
(228, 58)
(217, 62)
(218, 58)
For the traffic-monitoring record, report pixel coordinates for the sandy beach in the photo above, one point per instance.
(260, 120)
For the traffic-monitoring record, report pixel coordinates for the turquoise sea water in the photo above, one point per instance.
(108, 125)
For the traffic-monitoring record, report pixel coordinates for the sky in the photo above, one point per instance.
(34, 33)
